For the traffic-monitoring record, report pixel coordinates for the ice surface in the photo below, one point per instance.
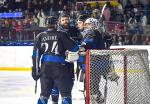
(17, 87)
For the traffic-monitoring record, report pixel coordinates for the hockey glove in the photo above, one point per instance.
(108, 40)
(71, 56)
(35, 75)
(81, 49)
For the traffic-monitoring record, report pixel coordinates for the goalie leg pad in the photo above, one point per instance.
(55, 95)
(42, 100)
(66, 100)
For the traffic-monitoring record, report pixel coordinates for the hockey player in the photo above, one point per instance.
(64, 26)
(80, 22)
(91, 36)
(72, 32)
(49, 50)
(92, 39)
(81, 63)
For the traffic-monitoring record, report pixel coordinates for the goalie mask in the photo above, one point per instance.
(93, 22)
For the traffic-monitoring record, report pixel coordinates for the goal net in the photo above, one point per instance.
(117, 76)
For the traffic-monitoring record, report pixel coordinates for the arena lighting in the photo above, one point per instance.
(11, 15)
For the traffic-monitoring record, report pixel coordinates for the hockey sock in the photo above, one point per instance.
(66, 100)
(55, 95)
(41, 100)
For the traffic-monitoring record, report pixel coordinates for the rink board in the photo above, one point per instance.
(15, 58)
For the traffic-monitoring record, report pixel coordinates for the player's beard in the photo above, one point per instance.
(66, 25)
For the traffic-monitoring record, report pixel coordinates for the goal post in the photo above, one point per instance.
(132, 70)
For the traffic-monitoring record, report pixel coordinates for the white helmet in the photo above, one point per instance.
(92, 21)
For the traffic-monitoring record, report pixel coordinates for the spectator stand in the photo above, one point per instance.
(32, 23)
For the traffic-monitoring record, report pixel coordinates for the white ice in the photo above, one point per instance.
(17, 87)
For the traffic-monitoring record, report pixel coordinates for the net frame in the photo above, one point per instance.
(123, 52)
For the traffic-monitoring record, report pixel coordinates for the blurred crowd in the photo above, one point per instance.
(129, 24)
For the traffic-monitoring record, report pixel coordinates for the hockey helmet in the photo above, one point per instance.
(82, 18)
(51, 20)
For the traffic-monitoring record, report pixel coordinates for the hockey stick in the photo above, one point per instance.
(75, 67)
(37, 71)
(101, 22)
(103, 10)
(105, 91)
(35, 87)
(80, 76)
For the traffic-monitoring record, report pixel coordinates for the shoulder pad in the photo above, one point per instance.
(41, 33)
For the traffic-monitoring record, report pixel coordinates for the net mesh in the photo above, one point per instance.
(117, 77)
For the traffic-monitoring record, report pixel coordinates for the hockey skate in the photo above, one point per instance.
(98, 99)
